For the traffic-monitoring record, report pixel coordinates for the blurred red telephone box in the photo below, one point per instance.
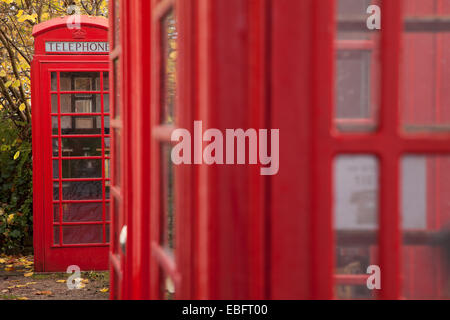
(70, 98)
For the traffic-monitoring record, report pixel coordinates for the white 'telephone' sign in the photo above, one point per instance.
(76, 47)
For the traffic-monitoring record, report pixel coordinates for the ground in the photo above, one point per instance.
(19, 282)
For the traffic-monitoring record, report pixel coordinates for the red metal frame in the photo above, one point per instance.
(50, 256)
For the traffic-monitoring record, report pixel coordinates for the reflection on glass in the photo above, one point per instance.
(81, 168)
(82, 190)
(356, 222)
(426, 227)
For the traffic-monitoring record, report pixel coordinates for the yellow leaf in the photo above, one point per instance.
(2, 73)
(20, 286)
(22, 107)
(7, 1)
(28, 274)
(17, 155)
(16, 84)
(22, 298)
(30, 283)
(85, 280)
(43, 293)
(61, 281)
(9, 220)
(104, 290)
(2, 260)
(1, 107)
(8, 83)
(9, 269)
(19, 13)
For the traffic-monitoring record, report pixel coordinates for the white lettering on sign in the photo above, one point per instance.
(76, 47)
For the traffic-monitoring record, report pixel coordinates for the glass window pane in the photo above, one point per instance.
(105, 81)
(107, 189)
(107, 233)
(106, 103)
(55, 147)
(82, 234)
(54, 103)
(426, 227)
(80, 125)
(168, 198)
(55, 169)
(117, 160)
(117, 105)
(76, 212)
(107, 125)
(82, 190)
(80, 103)
(425, 80)
(81, 147)
(56, 212)
(107, 168)
(55, 190)
(356, 222)
(55, 130)
(54, 81)
(169, 67)
(107, 213)
(81, 168)
(107, 147)
(80, 81)
(357, 68)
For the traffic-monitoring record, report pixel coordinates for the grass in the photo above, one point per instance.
(8, 297)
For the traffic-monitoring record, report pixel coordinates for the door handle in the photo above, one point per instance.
(123, 239)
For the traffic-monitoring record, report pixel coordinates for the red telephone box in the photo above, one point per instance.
(364, 149)
(71, 143)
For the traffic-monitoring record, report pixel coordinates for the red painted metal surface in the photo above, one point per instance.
(266, 64)
(55, 246)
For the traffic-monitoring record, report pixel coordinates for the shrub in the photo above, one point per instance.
(16, 193)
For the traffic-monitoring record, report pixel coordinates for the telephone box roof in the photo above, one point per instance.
(56, 23)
